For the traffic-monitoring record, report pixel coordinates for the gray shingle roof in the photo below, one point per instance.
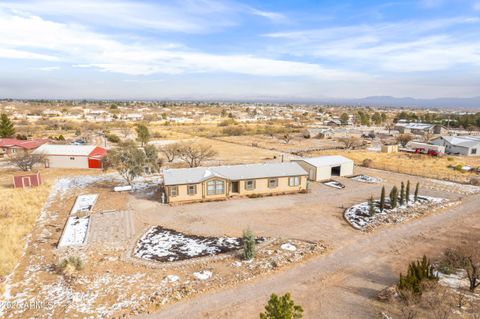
(233, 172)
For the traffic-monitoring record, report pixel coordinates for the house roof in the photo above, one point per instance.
(463, 141)
(415, 126)
(26, 144)
(65, 149)
(232, 172)
(333, 160)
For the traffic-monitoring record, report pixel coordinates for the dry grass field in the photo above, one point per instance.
(414, 164)
(19, 211)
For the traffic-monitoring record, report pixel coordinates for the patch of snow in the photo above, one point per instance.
(160, 244)
(172, 278)
(75, 232)
(288, 246)
(203, 275)
(334, 184)
(366, 179)
(359, 215)
(84, 203)
(455, 280)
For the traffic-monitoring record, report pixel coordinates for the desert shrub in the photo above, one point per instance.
(459, 167)
(281, 307)
(113, 138)
(475, 181)
(227, 122)
(450, 159)
(69, 266)
(367, 162)
(248, 244)
(451, 260)
(419, 273)
(236, 130)
(157, 134)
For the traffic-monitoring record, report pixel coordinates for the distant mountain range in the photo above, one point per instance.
(446, 102)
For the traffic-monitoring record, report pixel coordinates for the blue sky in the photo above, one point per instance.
(239, 49)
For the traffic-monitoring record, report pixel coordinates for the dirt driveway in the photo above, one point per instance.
(342, 284)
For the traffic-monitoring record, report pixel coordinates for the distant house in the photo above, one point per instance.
(459, 145)
(11, 146)
(318, 133)
(420, 128)
(324, 167)
(221, 182)
(72, 156)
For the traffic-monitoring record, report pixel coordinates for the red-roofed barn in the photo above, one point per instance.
(72, 156)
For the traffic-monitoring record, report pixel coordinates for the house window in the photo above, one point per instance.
(173, 191)
(192, 189)
(215, 187)
(474, 151)
(294, 181)
(72, 158)
(250, 184)
(272, 182)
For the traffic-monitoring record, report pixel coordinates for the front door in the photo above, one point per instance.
(26, 181)
(235, 187)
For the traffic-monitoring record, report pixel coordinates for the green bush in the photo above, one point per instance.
(248, 244)
(281, 308)
(113, 138)
(418, 273)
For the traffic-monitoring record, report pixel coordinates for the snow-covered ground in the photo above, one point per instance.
(84, 203)
(366, 179)
(162, 244)
(203, 275)
(359, 216)
(334, 184)
(288, 246)
(75, 232)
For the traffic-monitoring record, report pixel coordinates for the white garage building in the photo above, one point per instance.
(324, 167)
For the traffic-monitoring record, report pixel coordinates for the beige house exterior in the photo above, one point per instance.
(222, 182)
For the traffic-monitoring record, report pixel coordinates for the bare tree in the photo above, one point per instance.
(125, 129)
(171, 151)
(26, 161)
(472, 268)
(403, 139)
(350, 142)
(194, 154)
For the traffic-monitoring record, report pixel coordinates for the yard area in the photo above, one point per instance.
(133, 242)
(414, 164)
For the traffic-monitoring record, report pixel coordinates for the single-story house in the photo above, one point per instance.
(12, 146)
(318, 133)
(420, 128)
(72, 156)
(462, 145)
(324, 167)
(221, 182)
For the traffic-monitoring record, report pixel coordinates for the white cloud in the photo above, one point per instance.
(399, 47)
(32, 37)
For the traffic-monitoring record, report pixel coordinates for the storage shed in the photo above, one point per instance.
(324, 167)
(72, 156)
(27, 180)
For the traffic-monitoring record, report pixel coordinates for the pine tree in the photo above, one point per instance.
(394, 197)
(382, 199)
(402, 194)
(248, 244)
(371, 206)
(6, 126)
(281, 308)
(415, 198)
(407, 192)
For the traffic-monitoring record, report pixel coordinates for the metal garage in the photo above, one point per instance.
(325, 167)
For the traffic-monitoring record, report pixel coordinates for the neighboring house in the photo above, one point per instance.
(221, 182)
(420, 128)
(324, 167)
(72, 156)
(461, 145)
(11, 146)
(318, 133)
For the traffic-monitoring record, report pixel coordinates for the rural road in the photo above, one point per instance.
(342, 283)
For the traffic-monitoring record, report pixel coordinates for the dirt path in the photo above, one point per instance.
(341, 284)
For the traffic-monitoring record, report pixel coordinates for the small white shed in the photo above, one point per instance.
(324, 167)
